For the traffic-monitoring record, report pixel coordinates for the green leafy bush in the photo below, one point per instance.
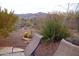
(7, 22)
(54, 30)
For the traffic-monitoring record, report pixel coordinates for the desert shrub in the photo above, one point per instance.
(78, 28)
(77, 19)
(71, 15)
(27, 35)
(29, 23)
(7, 22)
(54, 30)
(72, 19)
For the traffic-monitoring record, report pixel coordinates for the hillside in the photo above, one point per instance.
(31, 15)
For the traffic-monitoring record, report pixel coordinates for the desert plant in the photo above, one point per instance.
(29, 23)
(27, 35)
(7, 22)
(54, 30)
(77, 20)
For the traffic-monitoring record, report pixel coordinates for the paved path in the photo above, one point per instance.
(15, 54)
(8, 50)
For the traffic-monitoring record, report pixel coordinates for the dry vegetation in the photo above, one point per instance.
(70, 19)
(7, 22)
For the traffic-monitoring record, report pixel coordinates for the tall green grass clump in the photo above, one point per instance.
(54, 30)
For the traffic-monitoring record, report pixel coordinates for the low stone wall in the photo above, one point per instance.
(30, 48)
(67, 49)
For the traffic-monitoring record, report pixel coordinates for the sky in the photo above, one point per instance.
(34, 6)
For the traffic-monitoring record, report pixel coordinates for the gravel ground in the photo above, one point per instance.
(15, 39)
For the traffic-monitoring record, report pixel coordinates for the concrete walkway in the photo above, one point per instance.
(15, 54)
(11, 51)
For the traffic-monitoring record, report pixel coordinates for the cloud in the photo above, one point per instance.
(32, 6)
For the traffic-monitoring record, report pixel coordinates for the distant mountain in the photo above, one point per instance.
(30, 15)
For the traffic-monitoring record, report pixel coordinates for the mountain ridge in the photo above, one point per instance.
(31, 15)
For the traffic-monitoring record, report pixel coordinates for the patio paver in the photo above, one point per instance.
(7, 50)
